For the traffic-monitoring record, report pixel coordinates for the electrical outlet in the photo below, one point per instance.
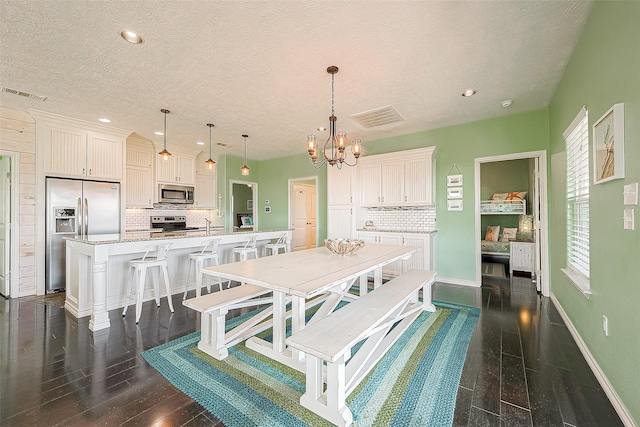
(605, 326)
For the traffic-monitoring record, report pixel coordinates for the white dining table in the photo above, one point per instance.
(299, 277)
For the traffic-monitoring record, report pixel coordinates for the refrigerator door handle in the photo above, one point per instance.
(79, 217)
(86, 217)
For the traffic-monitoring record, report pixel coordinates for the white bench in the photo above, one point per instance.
(368, 318)
(214, 307)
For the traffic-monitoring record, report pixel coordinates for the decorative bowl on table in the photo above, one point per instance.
(343, 246)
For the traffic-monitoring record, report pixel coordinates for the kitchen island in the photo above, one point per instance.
(97, 266)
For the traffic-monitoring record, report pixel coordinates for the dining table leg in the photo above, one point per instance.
(279, 321)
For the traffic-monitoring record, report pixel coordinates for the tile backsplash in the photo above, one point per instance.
(403, 219)
(139, 219)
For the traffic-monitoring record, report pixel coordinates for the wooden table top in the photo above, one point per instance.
(310, 272)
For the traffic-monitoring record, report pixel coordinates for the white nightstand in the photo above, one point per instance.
(521, 257)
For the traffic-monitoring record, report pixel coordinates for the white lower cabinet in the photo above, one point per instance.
(421, 259)
(521, 257)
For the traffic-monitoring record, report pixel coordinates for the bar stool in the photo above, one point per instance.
(209, 252)
(248, 248)
(140, 266)
(281, 243)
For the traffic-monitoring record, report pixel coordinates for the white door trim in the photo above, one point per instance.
(14, 247)
(544, 222)
(290, 198)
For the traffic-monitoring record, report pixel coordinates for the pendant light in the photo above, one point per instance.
(210, 162)
(333, 150)
(245, 168)
(164, 153)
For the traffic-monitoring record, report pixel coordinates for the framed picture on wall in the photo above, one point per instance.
(249, 205)
(454, 193)
(454, 205)
(608, 145)
(454, 180)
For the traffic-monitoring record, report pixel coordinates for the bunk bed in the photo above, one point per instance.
(496, 243)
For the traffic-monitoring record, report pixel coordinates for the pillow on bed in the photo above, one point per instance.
(516, 196)
(498, 197)
(509, 234)
(493, 232)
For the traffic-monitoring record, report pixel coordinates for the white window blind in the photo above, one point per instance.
(577, 140)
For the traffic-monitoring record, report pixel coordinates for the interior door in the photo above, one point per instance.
(299, 235)
(304, 222)
(311, 218)
(536, 225)
(5, 226)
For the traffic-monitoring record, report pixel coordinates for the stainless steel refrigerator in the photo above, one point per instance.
(76, 207)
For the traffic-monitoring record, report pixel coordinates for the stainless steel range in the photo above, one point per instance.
(171, 224)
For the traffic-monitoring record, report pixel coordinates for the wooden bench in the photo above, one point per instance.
(214, 307)
(331, 339)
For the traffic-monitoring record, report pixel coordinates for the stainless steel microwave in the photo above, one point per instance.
(175, 194)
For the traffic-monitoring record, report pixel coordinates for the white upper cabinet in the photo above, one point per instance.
(340, 185)
(140, 183)
(179, 169)
(370, 179)
(104, 156)
(418, 181)
(403, 178)
(77, 149)
(205, 191)
(391, 183)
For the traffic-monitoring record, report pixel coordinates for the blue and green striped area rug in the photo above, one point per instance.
(416, 383)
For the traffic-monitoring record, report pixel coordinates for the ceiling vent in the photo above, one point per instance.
(25, 94)
(378, 117)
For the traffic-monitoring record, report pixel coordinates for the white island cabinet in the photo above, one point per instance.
(97, 266)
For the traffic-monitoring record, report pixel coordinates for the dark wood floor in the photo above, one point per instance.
(522, 368)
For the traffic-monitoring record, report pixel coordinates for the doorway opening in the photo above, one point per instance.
(535, 174)
(243, 209)
(9, 254)
(303, 212)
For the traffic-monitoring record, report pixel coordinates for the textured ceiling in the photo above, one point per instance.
(259, 67)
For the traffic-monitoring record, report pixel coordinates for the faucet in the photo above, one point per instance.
(208, 225)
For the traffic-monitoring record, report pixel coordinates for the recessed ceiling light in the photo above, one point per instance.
(322, 129)
(159, 133)
(103, 120)
(131, 37)
(469, 92)
(200, 143)
(507, 103)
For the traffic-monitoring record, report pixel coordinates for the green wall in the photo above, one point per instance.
(273, 178)
(604, 70)
(274, 184)
(456, 239)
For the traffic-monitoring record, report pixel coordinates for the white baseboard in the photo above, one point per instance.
(462, 282)
(618, 405)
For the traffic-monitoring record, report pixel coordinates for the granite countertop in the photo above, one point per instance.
(134, 236)
(382, 230)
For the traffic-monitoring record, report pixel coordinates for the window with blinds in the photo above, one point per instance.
(577, 141)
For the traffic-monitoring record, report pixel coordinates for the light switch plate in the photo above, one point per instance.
(629, 220)
(630, 194)
(267, 209)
